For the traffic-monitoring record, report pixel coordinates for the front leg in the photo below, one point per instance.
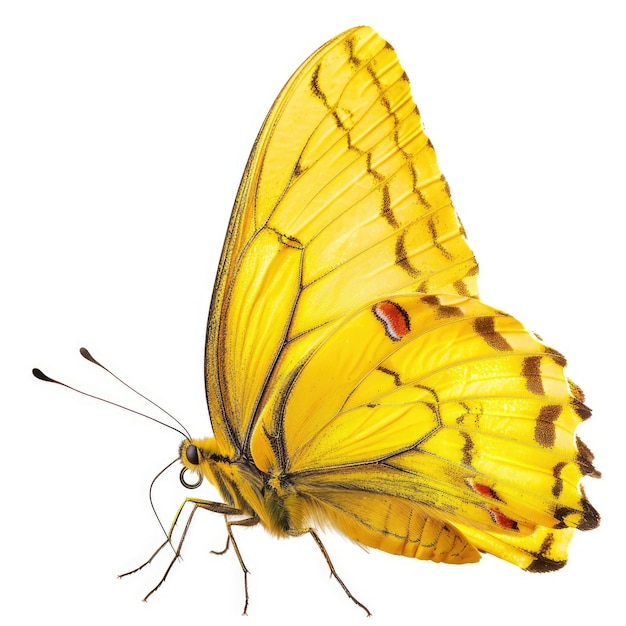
(215, 507)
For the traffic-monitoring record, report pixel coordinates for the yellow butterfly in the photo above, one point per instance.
(354, 379)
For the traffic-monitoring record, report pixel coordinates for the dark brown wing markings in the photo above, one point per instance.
(485, 327)
(531, 371)
(545, 429)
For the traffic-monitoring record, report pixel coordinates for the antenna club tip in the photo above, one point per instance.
(87, 355)
(37, 373)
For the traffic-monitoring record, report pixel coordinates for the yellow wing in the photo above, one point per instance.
(348, 357)
(425, 425)
(341, 200)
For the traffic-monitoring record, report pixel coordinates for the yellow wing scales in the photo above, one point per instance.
(343, 148)
(348, 357)
(472, 440)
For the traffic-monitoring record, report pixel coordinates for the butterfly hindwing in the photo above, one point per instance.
(447, 404)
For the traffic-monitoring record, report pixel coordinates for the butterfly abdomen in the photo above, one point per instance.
(394, 525)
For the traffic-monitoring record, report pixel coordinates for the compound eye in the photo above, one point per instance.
(192, 454)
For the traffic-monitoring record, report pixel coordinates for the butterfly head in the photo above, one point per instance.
(192, 458)
(200, 457)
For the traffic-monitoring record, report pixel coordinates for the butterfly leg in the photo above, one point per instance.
(168, 540)
(333, 571)
(249, 521)
(220, 552)
(215, 507)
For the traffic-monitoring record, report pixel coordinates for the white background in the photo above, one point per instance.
(125, 127)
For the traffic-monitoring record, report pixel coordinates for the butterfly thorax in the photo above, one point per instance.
(242, 485)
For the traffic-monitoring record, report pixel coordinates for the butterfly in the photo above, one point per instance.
(354, 378)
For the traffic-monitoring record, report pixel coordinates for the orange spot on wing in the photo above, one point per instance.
(394, 318)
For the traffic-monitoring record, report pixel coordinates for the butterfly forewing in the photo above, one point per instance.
(342, 201)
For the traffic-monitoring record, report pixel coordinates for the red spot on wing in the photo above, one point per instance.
(394, 318)
(484, 490)
(497, 516)
(502, 520)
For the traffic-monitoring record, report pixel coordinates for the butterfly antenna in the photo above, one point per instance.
(37, 373)
(152, 501)
(87, 355)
